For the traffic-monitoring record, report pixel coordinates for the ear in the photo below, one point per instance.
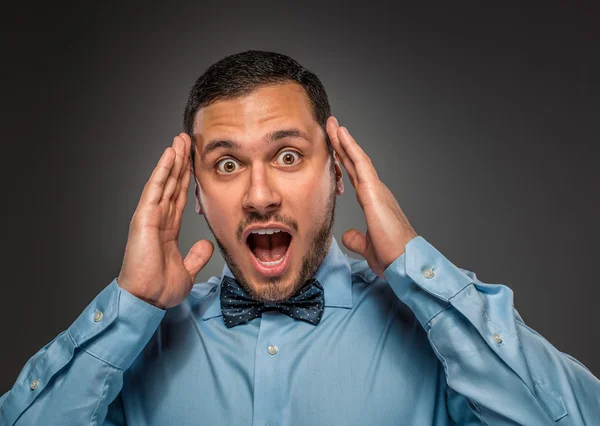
(197, 195)
(339, 182)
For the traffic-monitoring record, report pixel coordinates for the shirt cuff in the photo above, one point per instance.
(116, 326)
(425, 280)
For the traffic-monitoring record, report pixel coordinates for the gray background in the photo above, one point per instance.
(484, 122)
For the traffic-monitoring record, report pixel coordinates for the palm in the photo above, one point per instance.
(371, 256)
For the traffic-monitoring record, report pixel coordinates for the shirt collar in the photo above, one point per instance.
(334, 274)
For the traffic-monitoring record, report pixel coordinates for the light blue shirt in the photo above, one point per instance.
(429, 345)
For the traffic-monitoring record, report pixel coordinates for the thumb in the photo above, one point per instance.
(198, 257)
(355, 241)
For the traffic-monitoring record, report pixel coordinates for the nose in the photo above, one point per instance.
(262, 195)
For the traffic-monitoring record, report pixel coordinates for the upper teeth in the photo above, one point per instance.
(265, 231)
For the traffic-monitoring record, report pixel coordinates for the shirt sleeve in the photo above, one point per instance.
(73, 379)
(496, 367)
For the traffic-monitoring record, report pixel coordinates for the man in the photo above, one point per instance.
(294, 332)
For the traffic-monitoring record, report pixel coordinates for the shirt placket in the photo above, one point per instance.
(270, 387)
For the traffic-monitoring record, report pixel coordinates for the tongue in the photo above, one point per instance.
(270, 247)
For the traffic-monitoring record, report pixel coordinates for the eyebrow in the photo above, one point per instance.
(269, 137)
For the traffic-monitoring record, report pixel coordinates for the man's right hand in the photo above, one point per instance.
(153, 268)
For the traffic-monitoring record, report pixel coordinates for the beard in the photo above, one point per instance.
(319, 243)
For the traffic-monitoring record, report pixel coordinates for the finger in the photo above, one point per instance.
(186, 164)
(176, 193)
(198, 257)
(175, 176)
(186, 153)
(362, 163)
(188, 144)
(154, 188)
(178, 146)
(332, 126)
(181, 199)
(355, 241)
(182, 189)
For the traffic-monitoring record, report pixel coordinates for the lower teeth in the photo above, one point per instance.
(276, 262)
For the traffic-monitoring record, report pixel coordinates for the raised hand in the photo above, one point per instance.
(153, 268)
(388, 229)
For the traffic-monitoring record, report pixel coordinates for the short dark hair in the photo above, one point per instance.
(239, 74)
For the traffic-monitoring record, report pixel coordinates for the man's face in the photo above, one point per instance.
(262, 164)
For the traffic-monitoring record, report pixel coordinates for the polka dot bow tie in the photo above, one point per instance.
(238, 307)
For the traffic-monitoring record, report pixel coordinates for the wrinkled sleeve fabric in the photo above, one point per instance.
(498, 370)
(73, 379)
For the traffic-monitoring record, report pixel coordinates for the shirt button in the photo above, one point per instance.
(428, 273)
(34, 384)
(272, 349)
(497, 338)
(98, 316)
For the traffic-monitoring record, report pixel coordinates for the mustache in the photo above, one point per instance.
(255, 217)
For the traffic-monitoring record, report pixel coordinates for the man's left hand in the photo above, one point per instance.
(388, 229)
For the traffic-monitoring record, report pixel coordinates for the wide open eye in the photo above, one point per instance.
(227, 165)
(289, 158)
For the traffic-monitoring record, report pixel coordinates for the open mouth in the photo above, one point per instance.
(270, 251)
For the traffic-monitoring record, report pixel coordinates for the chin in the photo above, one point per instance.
(272, 291)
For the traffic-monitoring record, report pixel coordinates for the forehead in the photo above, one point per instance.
(264, 109)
